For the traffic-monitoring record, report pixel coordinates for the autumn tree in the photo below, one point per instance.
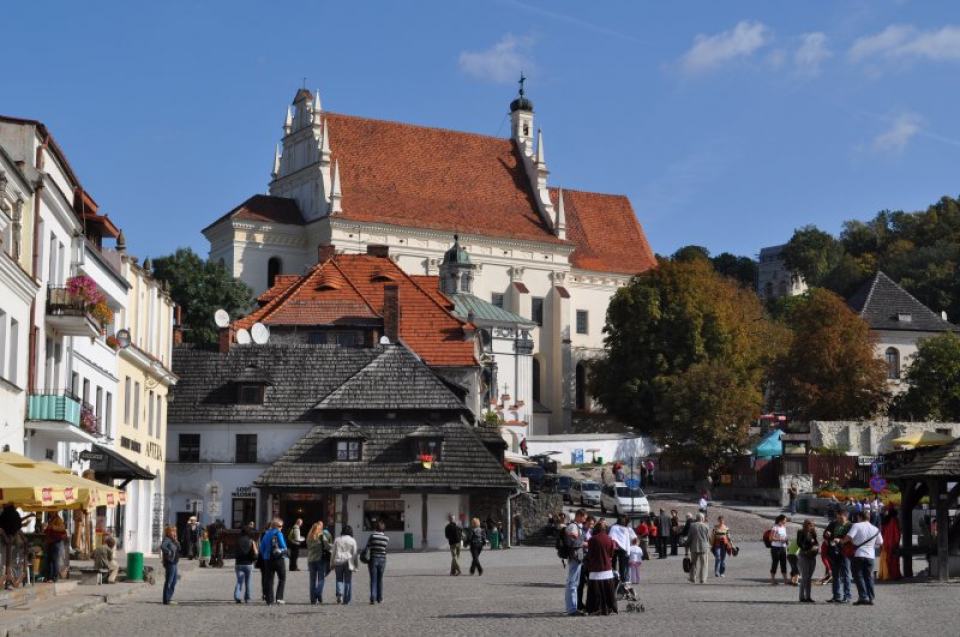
(686, 350)
(934, 379)
(201, 287)
(830, 370)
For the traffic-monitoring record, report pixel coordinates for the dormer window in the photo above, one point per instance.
(349, 450)
(429, 447)
(426, 444)
(250, 394)
(905, 318)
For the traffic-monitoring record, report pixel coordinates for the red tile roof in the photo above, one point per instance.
(348, 288)
(265, 208)
(606, 232)
(408, 175)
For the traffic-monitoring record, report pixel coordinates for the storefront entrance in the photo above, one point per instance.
(308, 507)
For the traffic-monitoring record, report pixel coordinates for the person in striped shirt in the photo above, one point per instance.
(377, 549)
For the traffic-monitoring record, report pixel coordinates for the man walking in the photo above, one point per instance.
(294, 539)
(674, 531)
(454, 535)
(866, 539)
(573, 542)
(663, 533)
(698, 540)
(839, 564)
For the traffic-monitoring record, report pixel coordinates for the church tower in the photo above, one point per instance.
(456, 270)
(521, 120)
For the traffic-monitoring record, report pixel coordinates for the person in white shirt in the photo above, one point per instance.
(867, 540)
(778, 549)
(623, 536)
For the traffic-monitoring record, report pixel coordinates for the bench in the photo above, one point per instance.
(93, 576)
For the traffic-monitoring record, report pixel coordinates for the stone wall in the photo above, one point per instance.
(870, 437)
(534, 510)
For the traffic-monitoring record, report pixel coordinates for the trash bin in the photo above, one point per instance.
(803, 505)
(599, 459)
(134, 567)
(408, 541)
(494, 540)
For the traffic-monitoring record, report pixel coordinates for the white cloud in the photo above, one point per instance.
(711, 51)
(901, 42)
(502, 62)
(811, 53)
(898, 135)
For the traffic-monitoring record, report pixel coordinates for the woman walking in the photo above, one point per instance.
(601, 592)
(346, 561)
(377, 549)
(319, 548)
(720, 544)
(778, 549)
(477, 539)
(244, 558)
(170, 555)
(808, 546)
(273, 548)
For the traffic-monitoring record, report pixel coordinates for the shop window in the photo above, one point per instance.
(244, 511)
(390, 512)
(349, 450)
(189, 448)
(246, 448)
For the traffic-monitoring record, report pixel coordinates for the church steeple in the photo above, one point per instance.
(456, 270)
(521, 120)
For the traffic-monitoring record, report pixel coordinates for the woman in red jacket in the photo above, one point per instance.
(602, 591)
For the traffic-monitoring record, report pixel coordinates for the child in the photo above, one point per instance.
(635, 560)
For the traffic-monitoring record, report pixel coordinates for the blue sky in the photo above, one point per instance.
(727, 124)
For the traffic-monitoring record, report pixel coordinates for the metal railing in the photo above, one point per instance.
(61, 302)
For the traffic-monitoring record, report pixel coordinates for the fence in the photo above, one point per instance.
(765, 474)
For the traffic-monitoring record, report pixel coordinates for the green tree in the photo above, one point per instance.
(691, 253)
(669, 332)
(742, 269)
(813, 253)
(934, 378)
(830, 370)
(200, 288)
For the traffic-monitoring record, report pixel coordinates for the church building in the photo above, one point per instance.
(549, 255)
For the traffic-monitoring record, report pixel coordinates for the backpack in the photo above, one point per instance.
(275, 550)
(768, 538)
(244, 547)
(563, 551)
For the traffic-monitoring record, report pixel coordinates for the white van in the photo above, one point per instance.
(619, 498)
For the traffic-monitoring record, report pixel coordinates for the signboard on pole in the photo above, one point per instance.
(877, 484)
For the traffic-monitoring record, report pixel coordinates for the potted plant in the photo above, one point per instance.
(88, 421)
(83, 288)
(113, 343)
(103, 313)
(426, 460)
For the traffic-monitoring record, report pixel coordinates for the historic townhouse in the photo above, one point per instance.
(551, 255)
(18, 291)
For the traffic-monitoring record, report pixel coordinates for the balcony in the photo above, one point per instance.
(69, 314)
(63, 416)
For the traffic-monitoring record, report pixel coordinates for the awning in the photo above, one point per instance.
(924, 439)
(514, 458)
(770, 447)
(107, 464)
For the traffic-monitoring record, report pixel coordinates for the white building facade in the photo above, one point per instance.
(774, 279)
(552, 256)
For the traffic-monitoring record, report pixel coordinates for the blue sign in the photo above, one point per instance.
(877, 484)
(576, 456)
(633, 483)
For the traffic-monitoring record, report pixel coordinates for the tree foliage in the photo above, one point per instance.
(934, 379)
(830, 370)
(686, 350)
(200, 288)
(920, 250)
(742, 269)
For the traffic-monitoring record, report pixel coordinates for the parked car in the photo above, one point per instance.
(558, 484)
(619, 498)
(585, 493)
(535, 475)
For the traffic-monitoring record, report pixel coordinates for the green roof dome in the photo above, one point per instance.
(457, 254)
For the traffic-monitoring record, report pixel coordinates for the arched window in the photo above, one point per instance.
(536, 379)
(893, 363)
(274, 267)
(581, 381)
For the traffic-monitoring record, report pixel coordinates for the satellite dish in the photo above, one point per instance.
(260, 333)
(384, 340)
(243, 337)
(221, 318)
(123, 338)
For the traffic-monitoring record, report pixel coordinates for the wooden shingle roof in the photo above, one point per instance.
(935, 462)
(388, 461)
(884, 305)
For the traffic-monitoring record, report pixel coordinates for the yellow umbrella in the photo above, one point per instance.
(924, 439)
(31, 489)
(77, 492)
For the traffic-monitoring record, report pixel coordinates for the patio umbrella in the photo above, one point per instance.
(30, 489)
(78, 493)
(924, 439)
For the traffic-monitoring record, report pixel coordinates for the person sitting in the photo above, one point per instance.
(104, 558)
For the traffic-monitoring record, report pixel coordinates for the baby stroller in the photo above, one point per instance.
(626, 593)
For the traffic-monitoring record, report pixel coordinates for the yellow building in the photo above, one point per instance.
(145, 380)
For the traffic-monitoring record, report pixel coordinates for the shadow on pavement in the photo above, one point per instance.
(501, 615)
(539, 585)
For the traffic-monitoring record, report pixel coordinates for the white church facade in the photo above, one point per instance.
(552, 255)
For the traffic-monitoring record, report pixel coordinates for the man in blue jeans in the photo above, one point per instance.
(170, 555)
(866, 539)
(834, 534)
(573, 539)
(377, 547)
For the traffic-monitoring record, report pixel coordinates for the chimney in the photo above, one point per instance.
(177, 325)
(325, 253)
(391, 312)
(226, 339)
(378, 250)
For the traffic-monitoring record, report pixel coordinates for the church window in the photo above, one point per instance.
(274, 267)
(536, 310)
(536, 379)
(496, 299)
(892, 356)
(583, 322)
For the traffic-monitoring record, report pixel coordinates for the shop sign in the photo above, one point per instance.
(243, 492)
(866, 461)
(92, 456)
